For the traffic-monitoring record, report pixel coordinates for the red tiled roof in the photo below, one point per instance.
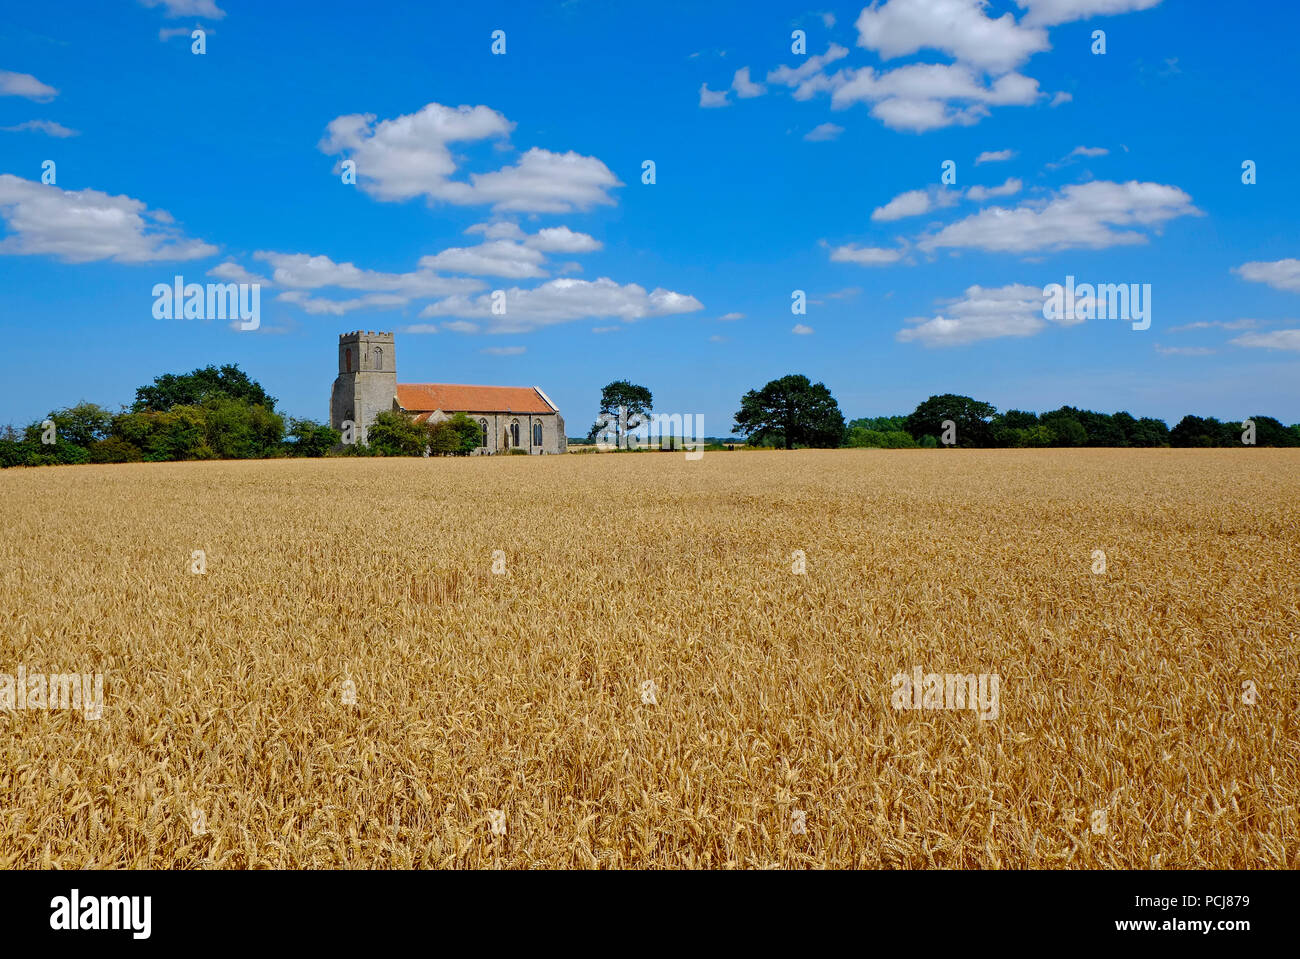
(453, 397)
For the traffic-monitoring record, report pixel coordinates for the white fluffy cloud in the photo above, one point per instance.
(506, 251)
(994, 156)
(980, 314)
(319, 306)
(504, 258)
(232, 272)
(1010, 187)
(1082, 216)
(560, 239)
(25, 85)
(303, 271)
(823, 132)
(188, 8)
(746, 88)
(1215, 325)
(807, 79)
(80, 226)
(546, 182)
(1051, 12)
(563, 300)
(800, 330)
(48, 127)
(1076, 153)
(498, 230)
(553, 239)
(1273, 340)
(509, 252)
(865, 255)
(959, 28)
(1279, 274)
(918, 202)
(985, 52)
(408, 156)
(928, 96)
(914, 203)
(712, 98)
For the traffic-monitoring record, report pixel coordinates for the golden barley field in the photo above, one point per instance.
(646, 680)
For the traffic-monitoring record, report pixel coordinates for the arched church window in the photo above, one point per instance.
(379, 358)
(537, 434)
(514, 433)
(347, 357)
(482, 428)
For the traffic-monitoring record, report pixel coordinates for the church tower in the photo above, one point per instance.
(367, 380)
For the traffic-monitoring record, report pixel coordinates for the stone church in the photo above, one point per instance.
(509, 417)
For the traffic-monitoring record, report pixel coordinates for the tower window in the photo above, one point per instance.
(347, 358)
(379, 358)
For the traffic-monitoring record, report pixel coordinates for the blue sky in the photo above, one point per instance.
(775, 171)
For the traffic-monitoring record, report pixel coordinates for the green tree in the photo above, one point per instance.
(1065, 425)
(193, 388)
(311, 438)
(1019, 419)
(881, 424)
(1126, 424)
(458, 435)
(83, 424)
(114, 449)
(1009, 428)
(1149, 432)
(134, 428)
(178, 434)
(791, 411)
(237, 429)
(1036, 437)
(971, 418)
(880, 439)
(859, 437)
(1196, 431)
(636, 400)
(396, 434)
(470, 433)
(12, 453)
(1270, 432)
(1101, 428)
(31, 451)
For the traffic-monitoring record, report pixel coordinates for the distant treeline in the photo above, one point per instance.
(214, 413)
(221, 413)
(980, 425)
